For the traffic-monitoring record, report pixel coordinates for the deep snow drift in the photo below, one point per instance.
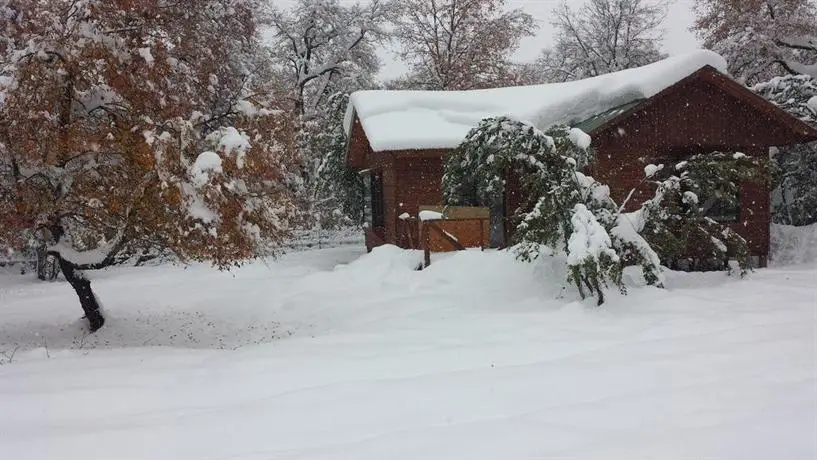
(793, 245)
(476, 357)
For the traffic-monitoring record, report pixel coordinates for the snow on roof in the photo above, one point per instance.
(397, 120)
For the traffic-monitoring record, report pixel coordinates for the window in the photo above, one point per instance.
(373, 199)
(721, 208)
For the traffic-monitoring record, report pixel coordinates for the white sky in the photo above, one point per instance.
(677, 37)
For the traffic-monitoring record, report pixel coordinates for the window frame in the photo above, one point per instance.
(373, 205)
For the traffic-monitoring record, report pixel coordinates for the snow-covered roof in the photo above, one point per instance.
(398, 120)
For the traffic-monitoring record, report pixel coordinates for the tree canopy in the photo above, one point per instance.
(133, 125)
(760, 39)
(459, 44)
(603, 36)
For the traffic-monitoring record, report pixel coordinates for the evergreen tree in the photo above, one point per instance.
(573, 214)
(338, 198)
(677, 222)
(795, 201)
(564, 204)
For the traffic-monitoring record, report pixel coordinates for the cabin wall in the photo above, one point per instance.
(419, 182)
(699, 119)
(390, 188)
(755, 219)
(358, 150)
(698, 115)
(409, 183)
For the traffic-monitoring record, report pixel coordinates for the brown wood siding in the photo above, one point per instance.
(358, 150)
(389, 198)
(469, 233)
(755, 218)
(696, 119)
(419, 182)
(708, 120)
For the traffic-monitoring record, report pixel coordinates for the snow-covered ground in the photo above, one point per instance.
(334, 354)
(793, 245)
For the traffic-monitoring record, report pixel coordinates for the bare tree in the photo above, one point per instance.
(760, 39)
(127, 124)
(601, 37)
(459, 44)
(325, 47)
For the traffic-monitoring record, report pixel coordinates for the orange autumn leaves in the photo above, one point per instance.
(110, 106)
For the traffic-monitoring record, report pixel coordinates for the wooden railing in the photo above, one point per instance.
(453, 235)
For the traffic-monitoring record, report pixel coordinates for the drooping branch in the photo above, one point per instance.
(104, 255)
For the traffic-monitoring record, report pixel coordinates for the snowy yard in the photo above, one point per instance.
(334, 354)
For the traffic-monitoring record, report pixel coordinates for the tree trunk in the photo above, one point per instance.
(87, 299)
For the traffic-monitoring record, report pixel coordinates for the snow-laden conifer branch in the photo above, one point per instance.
(572, 213)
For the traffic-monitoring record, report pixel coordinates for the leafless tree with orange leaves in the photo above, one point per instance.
(140, 123)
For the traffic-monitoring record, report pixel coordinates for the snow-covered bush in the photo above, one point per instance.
(570, 212)
(566, 210)
(680, 221)
(591, 259)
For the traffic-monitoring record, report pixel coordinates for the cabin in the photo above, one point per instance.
(658, 114)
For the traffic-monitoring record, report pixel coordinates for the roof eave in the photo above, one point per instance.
(651, 100)
(801, 131)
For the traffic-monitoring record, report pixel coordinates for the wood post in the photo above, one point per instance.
(426, 250)
(481, 235)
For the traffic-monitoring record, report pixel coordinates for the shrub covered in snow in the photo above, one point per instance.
(567, 210)
(591, 258)
(571, 213)
(679, 221)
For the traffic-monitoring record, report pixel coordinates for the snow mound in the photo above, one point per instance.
(792, 245)
(386, 259)
(441, 119)
(580, 138)
(430, 215)
(471, 273)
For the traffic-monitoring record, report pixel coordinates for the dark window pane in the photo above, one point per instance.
(722, 209)
(373, 199)
(378, 219)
